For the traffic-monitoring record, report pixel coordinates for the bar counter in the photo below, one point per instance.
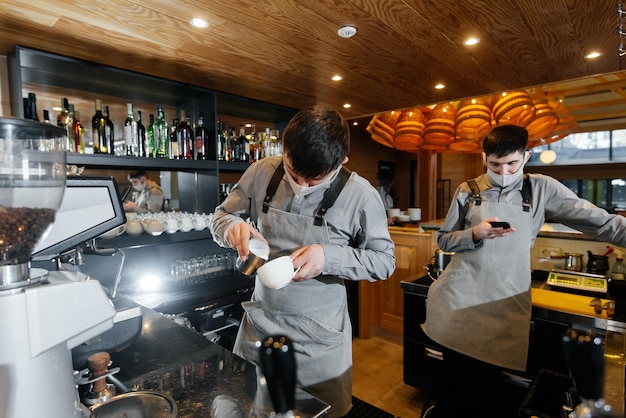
(172, 359)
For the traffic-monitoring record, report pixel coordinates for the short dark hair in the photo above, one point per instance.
(138, 174)
(504, 140)
(316, 141)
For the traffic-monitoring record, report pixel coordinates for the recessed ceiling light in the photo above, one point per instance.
(346, 31)
(471, 41)
(337, 78)
(440, 86)
(200, 23)
(593, 55)
(347, 105)
(355, 123)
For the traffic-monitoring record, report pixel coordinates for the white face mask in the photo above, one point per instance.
(139, 186)
(306, 190)
(505, 180)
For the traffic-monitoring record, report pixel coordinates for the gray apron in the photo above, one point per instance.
(481, 305)
(313, 313)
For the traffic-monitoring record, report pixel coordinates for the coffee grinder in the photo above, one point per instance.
(44, 313)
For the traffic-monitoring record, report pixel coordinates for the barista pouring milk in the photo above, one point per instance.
(479, 308)
(332, 224)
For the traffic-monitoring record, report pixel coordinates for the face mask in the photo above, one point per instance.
(300, 190)
(505, 180)
(139, 186)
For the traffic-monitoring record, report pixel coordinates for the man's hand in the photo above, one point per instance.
(311, 259)
(484, 230)
(130, 207)
(238, 237)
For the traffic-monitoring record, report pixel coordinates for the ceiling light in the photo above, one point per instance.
(471, 41)
(355, 123)
(548, 156)
(337, 78)
(593, 55)
(440, 86)
(347, 105)
(346, 31)
(200, 23)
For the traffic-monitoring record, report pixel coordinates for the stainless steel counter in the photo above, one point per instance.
(175, 360)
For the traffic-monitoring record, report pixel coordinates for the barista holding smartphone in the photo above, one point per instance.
(479, 308)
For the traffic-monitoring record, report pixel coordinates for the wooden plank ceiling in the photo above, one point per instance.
(286, 51)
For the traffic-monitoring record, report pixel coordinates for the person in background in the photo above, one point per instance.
(384, 175)
(282, 198)
(150, 197)
(479, 308)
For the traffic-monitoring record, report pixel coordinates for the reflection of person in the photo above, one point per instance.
(150, 194)
(385, 180)
(285, 199)
(479, 308)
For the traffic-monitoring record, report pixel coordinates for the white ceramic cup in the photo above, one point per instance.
(414, 213)
(392, 213)
(277, 273)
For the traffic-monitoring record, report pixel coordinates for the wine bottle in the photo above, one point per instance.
(109, 131)
(185, 137)
(244, 144)
(62, 115)
(203, 142)
(254, 146)
(78, 132)
(46, 116)
(150, 142)
(221, 141)
(98, 127)
(141, 137)
(31, 107)
(161, 134)
(174, 150)
(130, 132)
(69, 128)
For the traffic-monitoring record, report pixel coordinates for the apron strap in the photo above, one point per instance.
(331, 195)
(272, 186)
(475, 197)
(527, 194)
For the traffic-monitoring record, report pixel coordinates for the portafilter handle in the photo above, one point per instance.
(278, 364)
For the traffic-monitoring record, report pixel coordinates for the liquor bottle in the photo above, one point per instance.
(184, 134)
(98, 127)
(30, 107)
(174, 149)
(46, 116)
(245, 148)
(618, 271)
(109, 131)
(62, 115)
(161, 134)
(69, 128)
(237, 143)
(254, 146)
(150, 142)
(231, 142)
(221, 141)
(130, 132)
(267, 143)
(141, 137)
(78, 132)
(205, 146)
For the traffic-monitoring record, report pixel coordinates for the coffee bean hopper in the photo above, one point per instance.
(45, 314)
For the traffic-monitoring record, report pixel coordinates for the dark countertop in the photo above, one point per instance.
(181, 363)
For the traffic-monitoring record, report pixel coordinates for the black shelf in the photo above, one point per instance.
(113, 161)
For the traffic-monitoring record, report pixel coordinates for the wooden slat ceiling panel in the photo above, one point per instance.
(285, 51)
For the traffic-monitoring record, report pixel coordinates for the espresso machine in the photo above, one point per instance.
(45, 314)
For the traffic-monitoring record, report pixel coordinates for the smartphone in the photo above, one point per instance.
(500, 224)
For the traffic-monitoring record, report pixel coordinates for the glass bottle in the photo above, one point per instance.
(78, 132)
(204, 141)
(109, 131)
(150, 142)
(161, 134)
(185, 136)
(46, 116)
(62, 115)
(618, 271)
(267, 143)
(174, 149)
(31, 107)
(221, 141)
(254, 146)
(98, 127)
(130, 132)
(141, 137)
(69, 128)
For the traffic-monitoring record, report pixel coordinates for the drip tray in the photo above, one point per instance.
(137, 405)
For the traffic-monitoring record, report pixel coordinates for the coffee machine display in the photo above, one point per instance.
(45, 313)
